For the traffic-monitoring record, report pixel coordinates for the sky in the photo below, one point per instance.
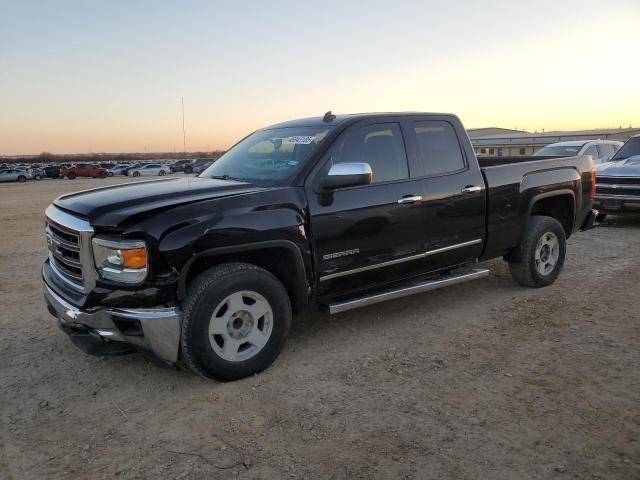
(108, 76)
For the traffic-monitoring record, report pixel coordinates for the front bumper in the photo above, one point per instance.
(617, 203)
(110, 331)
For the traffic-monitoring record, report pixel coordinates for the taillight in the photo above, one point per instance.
(593, 183)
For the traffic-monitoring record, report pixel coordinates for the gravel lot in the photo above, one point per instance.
(484, 380)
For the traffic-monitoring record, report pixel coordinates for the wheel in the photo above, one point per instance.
(136, 174)
(22, 178)
(71, 176)
(102, 175)
(173, 170)
(162, 173)
(109, 174)
(188, 169)
(37, 177)
(236, 321)
(601, 217)
(539, 259)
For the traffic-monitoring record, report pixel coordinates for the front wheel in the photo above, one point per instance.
(72, 176)
(539, 259)
(136, 174)
(22, 178)
(236, 321)
(37, 177)
(109, 174)
(162, 173)
(188, 169)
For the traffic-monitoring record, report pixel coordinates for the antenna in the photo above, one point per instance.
(328, 117)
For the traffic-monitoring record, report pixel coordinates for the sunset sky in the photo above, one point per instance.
(81, 76)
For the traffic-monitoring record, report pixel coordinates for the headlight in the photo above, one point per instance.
(121, 261)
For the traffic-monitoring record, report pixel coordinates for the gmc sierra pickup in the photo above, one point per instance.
(336, 212)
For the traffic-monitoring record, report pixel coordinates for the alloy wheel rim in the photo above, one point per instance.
(240, 326)
(547, 253)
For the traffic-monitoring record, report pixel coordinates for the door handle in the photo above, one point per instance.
(410, 199)
(471, 189)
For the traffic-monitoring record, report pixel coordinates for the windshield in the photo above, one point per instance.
(558, 151)
(268, 156)
(629, 149)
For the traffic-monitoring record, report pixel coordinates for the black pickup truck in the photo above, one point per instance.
(336, 212)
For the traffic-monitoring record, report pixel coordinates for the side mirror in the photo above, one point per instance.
(348, 175)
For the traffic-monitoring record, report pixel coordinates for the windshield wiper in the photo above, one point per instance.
(221, 177)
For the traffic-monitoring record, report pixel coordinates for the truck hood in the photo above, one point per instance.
(629, 167)
(110, 206)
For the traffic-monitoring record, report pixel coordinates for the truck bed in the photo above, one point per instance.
(513, 183)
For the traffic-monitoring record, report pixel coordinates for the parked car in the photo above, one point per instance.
(182, 166)
(154, 169)
(334, 212)
(133, 166)
(198, 169)
(52, 171)
(83, 170)
(36, 173)
(118, 170)
(198, 163)
(600, 150)
(618, 185)
(13, 175)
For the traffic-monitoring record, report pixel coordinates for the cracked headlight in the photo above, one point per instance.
(121, 261)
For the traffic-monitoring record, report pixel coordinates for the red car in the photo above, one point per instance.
(83, 170)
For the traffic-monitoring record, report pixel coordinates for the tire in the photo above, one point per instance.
(188, 169)
(135, 174)
(162, 173)
(601, 217)
(173, 170)
(37, 177)
(109, 174)
(22, 179)
(102, 175)
(210, 297)
(538, 260)
(71, 176)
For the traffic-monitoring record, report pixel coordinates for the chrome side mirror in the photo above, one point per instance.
(348, 175)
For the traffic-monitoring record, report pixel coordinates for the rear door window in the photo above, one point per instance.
(438, 148)
(593, 151)
(606, 150)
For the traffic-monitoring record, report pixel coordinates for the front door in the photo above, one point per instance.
(367, 235)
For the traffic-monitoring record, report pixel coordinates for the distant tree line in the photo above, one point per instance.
(46, 157)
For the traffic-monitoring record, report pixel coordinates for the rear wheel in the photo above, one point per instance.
(22, 178)
(188, 169)
(102, 175)
(236, 321)
(162, 173)
(37, 177)
(540, 256)
(136, 174)
(71, 176)
(109, 174)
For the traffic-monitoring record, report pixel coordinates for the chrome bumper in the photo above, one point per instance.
(160, 326)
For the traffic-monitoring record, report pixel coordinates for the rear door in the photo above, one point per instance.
(452, 220)
(367, 235)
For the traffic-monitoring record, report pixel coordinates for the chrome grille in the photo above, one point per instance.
(628, 186)
(68, 239)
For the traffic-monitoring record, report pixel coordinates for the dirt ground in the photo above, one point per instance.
(484, 380)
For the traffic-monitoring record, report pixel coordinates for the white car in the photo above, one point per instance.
(117, 170)
(601, 151)
(154, 169)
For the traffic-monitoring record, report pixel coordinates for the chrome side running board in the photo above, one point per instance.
(457, 276)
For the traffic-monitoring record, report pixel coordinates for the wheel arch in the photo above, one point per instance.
(559, 204)
(282, 258)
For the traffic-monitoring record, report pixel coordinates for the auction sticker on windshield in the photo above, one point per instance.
(299, 140)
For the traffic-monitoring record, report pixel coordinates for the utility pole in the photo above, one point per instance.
(184, 132)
